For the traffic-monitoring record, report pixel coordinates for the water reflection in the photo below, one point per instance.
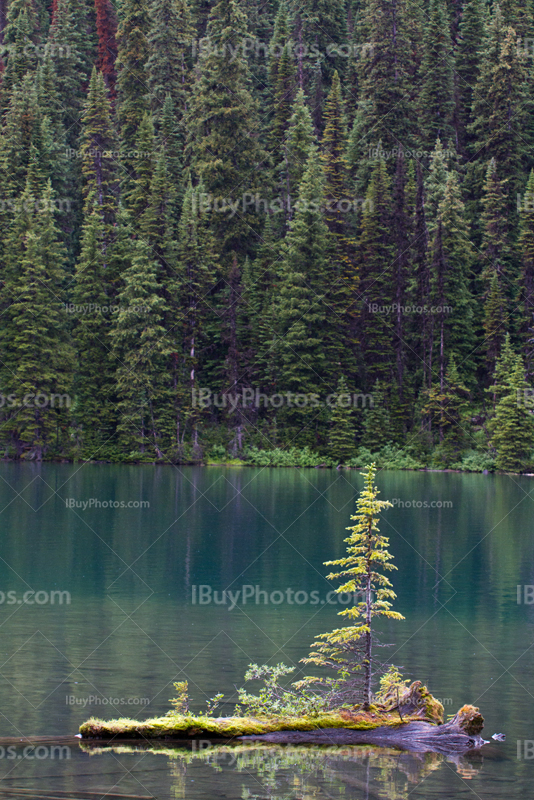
(301, 772)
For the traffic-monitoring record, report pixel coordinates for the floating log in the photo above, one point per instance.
(459, 735)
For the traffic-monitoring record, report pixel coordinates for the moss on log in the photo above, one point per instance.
(409, 719)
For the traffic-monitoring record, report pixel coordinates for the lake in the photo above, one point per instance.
(112, 582)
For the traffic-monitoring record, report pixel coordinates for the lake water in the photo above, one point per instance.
(101, 609)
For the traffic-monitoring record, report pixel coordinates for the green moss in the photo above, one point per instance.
(227, 727)
(434, 709)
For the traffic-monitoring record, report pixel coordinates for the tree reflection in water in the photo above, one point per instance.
(305, 772)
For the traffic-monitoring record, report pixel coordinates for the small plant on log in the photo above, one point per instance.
(350, 650)
(180, 703)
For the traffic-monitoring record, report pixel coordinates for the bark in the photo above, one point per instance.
(459, 735)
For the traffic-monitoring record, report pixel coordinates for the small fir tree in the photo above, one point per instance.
(362, 572)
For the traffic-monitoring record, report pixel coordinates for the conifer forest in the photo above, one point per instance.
(268, 232)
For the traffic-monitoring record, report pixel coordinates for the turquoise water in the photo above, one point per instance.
(126, 620)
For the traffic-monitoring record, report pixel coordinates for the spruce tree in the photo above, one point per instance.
(436, 95)
(341, 442)
(445, 406)
(385, 112)
(98, 150)
(296, 149)
(37, 358)
(132, 85)
(20, 37)
(512, 427)
(501, 127)
(375, 262)
(171, 41)
(468, 56)
(451, 278)
(223, 127)
(319, 28)
(301, 347)
(496, 320)
(94, 411)
(526, 283)
(282, 77)
(142, 351)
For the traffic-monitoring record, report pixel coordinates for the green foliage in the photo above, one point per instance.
(180, 703)
(292, 457)
(275, 700)
(349, 650)
(349, 197)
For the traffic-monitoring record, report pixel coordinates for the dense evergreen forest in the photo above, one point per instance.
(282, 232)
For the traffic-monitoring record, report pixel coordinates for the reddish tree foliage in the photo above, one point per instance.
(106, 26)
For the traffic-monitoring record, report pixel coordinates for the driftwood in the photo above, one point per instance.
(459, 735)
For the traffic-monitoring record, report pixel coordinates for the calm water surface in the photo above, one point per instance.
(132, 623)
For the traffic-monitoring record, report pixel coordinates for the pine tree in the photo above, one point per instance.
(98, 150)
(518, 15)
(377, 420)
(454, 258)
(496, 244)
(445, 406)
(171, 42)
(296, 150)
(20, 37)
(196, 277)
(301, 345)
(501, 127)
(72, 48)
(468, 56)
(375, 262)
(385, 112)
(94, 385)
(222, 120)
(496, 320)
(512, 427)
(37, 359)
(526, 284)
(282, 77)
(436, 96)
(435, 183)
(362, 573)
(138, 194)
(341, 443)
(132, 87)
(142, 351)
(319, 28)
(170, 146)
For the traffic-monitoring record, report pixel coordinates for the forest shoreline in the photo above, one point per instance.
(244, 464)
